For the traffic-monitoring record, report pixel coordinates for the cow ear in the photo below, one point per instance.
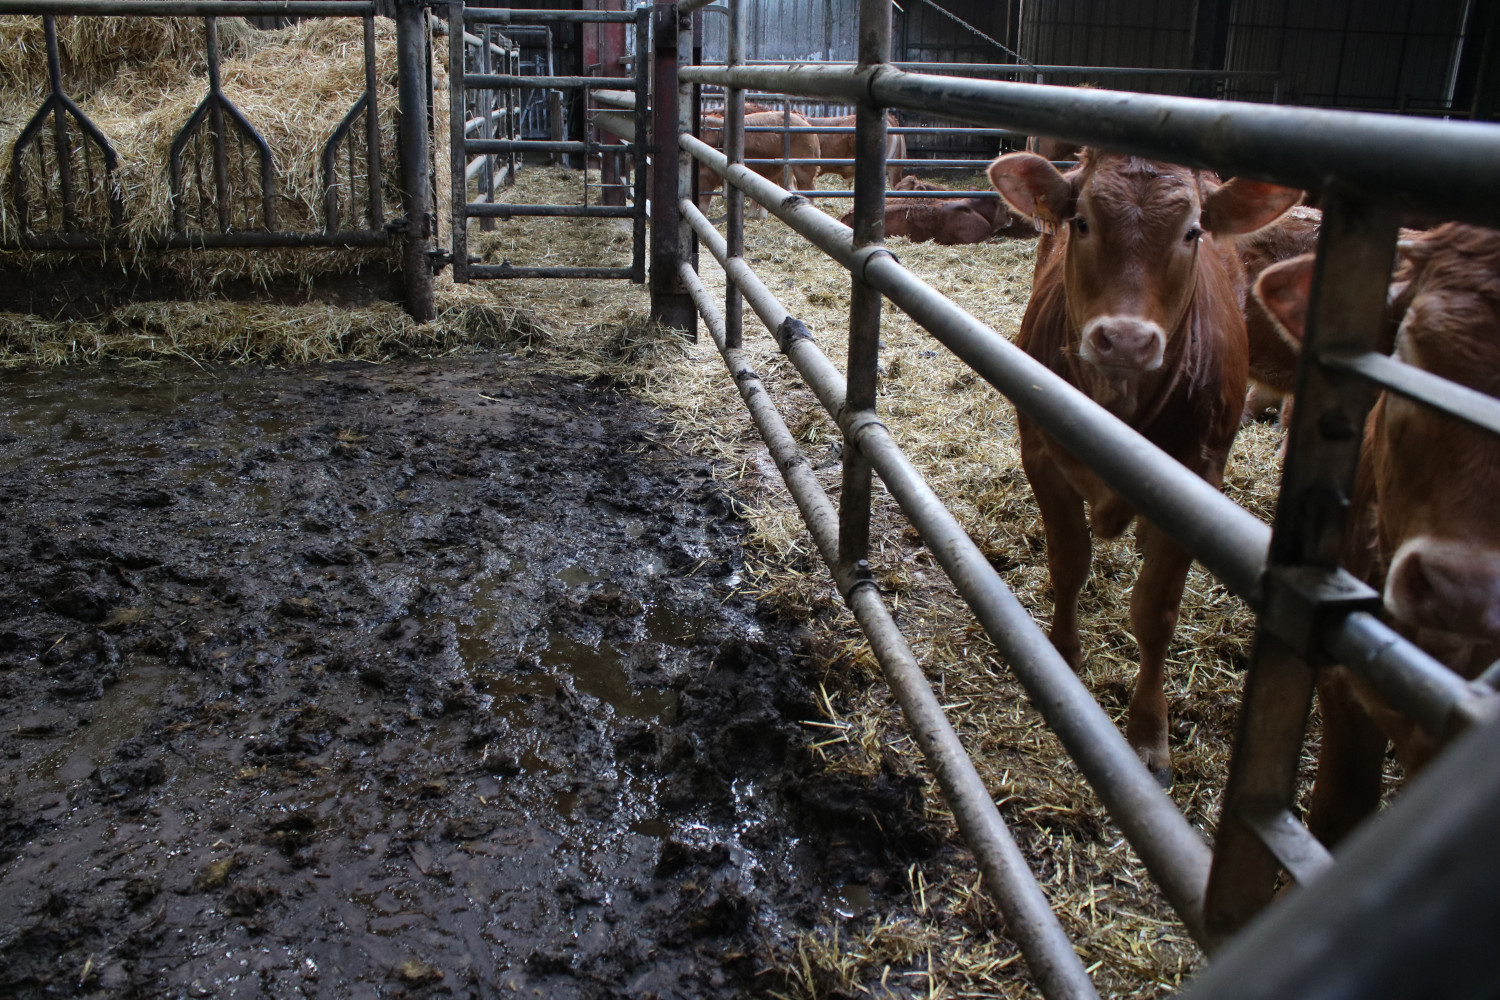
(1284, 289)
(1243, 206)
(1034, 187)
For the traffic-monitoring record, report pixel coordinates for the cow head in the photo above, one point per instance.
(1436, 479)
(1131, 232)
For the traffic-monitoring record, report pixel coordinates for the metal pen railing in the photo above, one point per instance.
(1367, 168)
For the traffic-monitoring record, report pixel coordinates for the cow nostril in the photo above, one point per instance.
(1103, 343)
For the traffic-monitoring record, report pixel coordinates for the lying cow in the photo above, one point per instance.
(760, 146)
(1136, 301)
(840, 146)
(1425, 529)
(948, 221)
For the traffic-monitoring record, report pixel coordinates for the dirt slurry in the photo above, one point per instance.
(418, 679)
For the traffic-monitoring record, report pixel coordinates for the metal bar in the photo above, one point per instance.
(489, 15)
(1434, 697)
(1412, 164)
(191, 8)
(1408, 911)
(827, 162)
(376, 217)
(1227, 539)
(500, 210)
(1011, 69)
(671, 109)
(641, 126)
(477, 163)
(60, 129)
(1458, 401)
(487, 123)
(834, 193)
(987, 133)
(619, 124)
(734, 151)
(1356, 246)
(499, 81)
(1299, 852)
(216, 123)
(416, 179)
(1007, 877)
(535, 145)
(185, 241)
(507, 270)
(1199, 516)
(457, 166)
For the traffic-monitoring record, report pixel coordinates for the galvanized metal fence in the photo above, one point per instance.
(461, 18)
(63, 180)
(1309, 609)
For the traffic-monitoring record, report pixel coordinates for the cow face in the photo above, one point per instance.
(1131, 231)
(1436, 479)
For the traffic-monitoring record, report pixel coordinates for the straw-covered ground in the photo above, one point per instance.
(947, 940)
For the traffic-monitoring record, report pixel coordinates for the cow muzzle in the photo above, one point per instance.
(1446, 585)
(1122, 346)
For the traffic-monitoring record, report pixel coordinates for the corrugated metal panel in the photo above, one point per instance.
(1154, 33)
(1377, 54)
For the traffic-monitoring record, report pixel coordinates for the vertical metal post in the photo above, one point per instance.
(638, 143)
(216, 122)
(864, 301)
(734, 149)
(786, 143)
(416, 177)
(60, 128)
(459, 160)
(372, 130)
(1356, 247)
(671, 304)
(512, 110)
(487, 122)
(555, 130)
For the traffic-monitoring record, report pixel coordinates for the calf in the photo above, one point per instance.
(1273, 360)
(1425, 529)
(840, 146)
(1136, 302)
(760, 146)
(948, 221)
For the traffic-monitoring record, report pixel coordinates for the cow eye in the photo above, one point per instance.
(1192, 234)
(1082, 225)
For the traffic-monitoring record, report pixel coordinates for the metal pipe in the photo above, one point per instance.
(826, 162)
(376, 210)
(501, 81)
(834, 193)
(508, 270)
(191, 8)
(1412, 164)
(734, 151)
(1434, 697)
(498, 15)
(536, 145)
(416, 180)
(457, 167)
(640, 126)
(186, 241)
(1007, 877)
(672, 110)
(1011, 69)
(1173, 852)
(500, 210)
(1457, 401)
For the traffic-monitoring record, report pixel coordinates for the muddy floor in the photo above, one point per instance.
(418, 679)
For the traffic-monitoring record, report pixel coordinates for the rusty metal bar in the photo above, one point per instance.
(1007, 877)
(458, 173)
(196, 240)
(734, 151)
(486, 100)
(191, 8)
(500, 15)
(671, 239)
(641, 127)
(416, 178)
(1458, 401)
(376, 212)
(501, 210)
(498, 81)
(509, 270)
(1356, 247)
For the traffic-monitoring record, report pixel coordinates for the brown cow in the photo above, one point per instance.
(1425, 530)
(840, 146)
(1136, 302)
(760, 146)
(948, 221)
(1273, 361)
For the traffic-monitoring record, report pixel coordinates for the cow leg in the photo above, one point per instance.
(1068, 545)
(1350, 763)
(1153, 616)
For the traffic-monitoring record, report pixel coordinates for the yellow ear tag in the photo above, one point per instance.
(1044, 220)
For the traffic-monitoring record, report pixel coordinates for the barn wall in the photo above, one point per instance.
(1154, 33)
(1374, 54)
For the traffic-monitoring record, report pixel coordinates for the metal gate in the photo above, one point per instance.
(479, 99)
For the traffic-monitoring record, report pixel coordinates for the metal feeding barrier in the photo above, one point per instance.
(466, 268)
(1309, 610)
(66, 193)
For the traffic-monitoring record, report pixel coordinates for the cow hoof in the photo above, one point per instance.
(1159, 764)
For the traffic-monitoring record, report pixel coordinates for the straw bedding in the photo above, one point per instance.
(949, 942)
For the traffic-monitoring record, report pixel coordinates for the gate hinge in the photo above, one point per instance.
(440, 259)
